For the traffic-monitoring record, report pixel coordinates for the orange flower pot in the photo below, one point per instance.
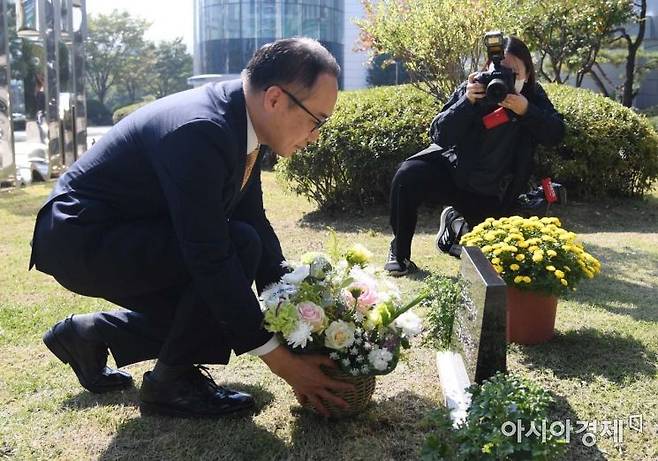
(530, 316)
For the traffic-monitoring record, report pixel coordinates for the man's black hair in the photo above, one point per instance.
(288, 61)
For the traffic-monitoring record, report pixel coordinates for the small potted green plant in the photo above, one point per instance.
(539, 261)
(499, 408)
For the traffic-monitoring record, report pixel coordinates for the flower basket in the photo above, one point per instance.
(345, 308)
(530, 316)
(364, 387)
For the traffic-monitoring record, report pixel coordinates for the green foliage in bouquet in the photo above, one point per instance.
(534, 254)
(502, 405)
(342, 307)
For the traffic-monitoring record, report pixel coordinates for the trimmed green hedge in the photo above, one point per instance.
(608, 148)
(123, 112)
(369, 134)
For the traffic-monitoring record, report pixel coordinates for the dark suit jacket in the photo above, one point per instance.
(181, 158)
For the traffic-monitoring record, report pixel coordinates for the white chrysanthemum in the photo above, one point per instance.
(297, 276)
(275, 293)
(379, 358)
(334, 356)
(410, 324)
(300, 335)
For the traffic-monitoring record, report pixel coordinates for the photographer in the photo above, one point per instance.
(481, 158)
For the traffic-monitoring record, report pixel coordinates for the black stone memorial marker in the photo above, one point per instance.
(479, 342)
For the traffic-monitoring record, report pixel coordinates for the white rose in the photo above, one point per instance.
(410, 324)
(339, 335)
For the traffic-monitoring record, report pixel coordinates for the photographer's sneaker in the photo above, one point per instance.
(451, 228)
(397, 268)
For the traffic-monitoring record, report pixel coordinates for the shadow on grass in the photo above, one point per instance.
(605, 215)
(610, 215)
(623, 297)
(233, 437)
(130, 397)
(562, 411)
(374, 219)
(85, 399)
(388, 429)
(589, 353)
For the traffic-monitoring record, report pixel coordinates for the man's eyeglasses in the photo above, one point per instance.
(318, 122)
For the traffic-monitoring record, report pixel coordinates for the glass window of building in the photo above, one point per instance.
(229, 31)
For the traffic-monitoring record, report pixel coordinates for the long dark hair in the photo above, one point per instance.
(514, 45)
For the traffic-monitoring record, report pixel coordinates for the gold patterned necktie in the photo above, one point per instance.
(249, 165)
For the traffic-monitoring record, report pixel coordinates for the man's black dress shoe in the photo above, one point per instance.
(193, 395)
(87, 358)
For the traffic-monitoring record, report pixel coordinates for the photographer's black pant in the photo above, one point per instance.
(428, 180)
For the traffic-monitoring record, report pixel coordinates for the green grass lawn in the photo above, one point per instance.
(602, 365)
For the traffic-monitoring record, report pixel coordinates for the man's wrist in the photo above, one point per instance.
(275, 357)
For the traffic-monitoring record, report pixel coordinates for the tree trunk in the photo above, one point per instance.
(633, 46)
(599, 83)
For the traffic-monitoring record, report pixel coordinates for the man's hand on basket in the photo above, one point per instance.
(307, 380)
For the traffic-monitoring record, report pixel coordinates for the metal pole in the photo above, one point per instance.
(7, 154)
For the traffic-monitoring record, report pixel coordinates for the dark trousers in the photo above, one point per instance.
(428, 180)
(139, 267)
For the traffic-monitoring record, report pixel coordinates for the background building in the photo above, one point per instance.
(227, 32)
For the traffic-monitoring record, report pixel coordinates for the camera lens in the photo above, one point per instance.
(496, 90)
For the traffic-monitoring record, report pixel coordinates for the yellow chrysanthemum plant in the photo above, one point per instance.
(533, 254)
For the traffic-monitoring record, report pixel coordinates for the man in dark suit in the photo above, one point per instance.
(164, 217)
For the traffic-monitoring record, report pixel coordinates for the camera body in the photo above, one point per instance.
(499, 81)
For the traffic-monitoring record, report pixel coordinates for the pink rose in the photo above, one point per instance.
(361, 294)
(312, 314)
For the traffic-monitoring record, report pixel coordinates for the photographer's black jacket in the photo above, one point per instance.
(498, 161)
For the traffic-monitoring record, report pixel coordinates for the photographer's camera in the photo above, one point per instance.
(499, 81)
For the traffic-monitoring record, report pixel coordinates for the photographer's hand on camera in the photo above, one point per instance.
(517, 103)
(474, 90)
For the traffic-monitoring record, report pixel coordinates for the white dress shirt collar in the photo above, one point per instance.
(252, 140)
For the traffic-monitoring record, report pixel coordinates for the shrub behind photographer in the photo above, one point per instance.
(482, 151)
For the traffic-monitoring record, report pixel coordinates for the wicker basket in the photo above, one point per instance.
(358, 399)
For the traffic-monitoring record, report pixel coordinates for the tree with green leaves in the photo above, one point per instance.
(138, 73)
(171, 69)
(113, 42)
(569, 34)
(626, 50)
(439, 41)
